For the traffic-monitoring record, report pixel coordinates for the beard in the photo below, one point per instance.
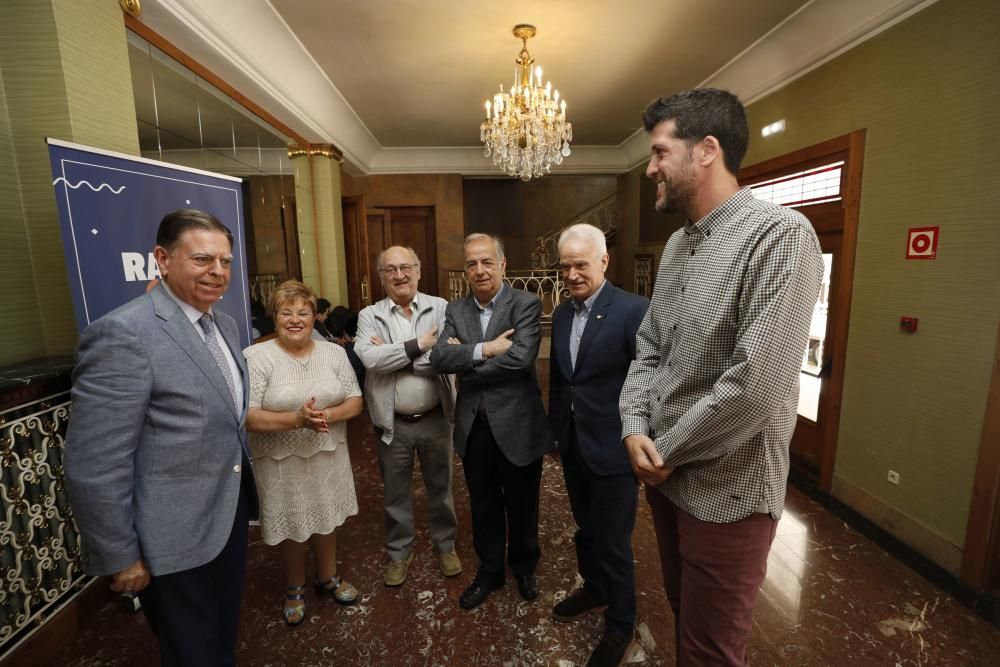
(678, 190)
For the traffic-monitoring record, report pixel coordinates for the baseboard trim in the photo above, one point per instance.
(982, 603)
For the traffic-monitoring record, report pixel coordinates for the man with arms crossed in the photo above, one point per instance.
(156, 464)
(490, 340)
(412, 409)
(709, 405)
(593, 344)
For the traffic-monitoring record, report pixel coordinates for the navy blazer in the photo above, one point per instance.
(588, 394)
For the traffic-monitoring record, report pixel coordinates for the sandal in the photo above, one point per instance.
(340, 590)
(296, 614)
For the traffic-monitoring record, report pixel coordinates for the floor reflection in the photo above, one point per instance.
(831, 597)
(785, 566)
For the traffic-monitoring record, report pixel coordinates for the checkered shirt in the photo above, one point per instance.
(715, 381)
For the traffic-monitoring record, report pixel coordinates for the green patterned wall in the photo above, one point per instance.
(18, 304)
(928, 93)
(65, 75)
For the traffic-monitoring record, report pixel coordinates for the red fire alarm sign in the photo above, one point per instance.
(922, 243)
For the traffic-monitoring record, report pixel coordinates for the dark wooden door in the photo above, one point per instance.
(359, 272)
(410, 226)
(797, 178)
(413, 227)
(816, 400)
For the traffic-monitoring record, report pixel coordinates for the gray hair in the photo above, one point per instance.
(585, 232)
(379, 264)
(475, 236)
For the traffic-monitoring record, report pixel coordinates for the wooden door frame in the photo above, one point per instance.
(981, 551)
(361, 232)
(853, 144)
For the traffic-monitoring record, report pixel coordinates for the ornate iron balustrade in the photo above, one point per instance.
(547, 284)
(601, 215)
(39, 542)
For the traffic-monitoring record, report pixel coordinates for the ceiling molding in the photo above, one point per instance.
(814, 35)
(249, 45)
(811, 37)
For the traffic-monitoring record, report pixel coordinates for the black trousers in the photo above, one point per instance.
(604, 509)
(195, 613)
(504, 499)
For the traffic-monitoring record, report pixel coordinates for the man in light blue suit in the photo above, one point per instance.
(156, 464)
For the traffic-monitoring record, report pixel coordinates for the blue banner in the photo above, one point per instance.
(110, 206)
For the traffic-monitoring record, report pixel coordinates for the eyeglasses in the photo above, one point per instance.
(405, 269)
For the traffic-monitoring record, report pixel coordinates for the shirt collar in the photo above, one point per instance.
(588, 303)
(720, 215)
(414, 304)
(493, 302)
(192, 313)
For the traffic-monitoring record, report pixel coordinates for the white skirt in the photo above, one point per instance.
(301, 497)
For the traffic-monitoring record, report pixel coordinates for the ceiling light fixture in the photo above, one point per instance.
(525, 130)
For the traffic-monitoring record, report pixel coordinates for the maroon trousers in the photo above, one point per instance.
(711, 573)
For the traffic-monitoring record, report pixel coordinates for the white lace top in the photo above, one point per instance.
(282, 383)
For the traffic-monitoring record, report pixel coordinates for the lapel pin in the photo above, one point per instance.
(600, 316)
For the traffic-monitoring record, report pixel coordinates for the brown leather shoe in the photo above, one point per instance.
(450, 564)
(395, 573)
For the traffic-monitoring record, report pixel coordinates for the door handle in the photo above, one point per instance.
(364, 290)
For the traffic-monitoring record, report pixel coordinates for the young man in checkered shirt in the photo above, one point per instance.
(709, 404)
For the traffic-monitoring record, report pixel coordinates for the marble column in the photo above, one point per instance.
(321, 229)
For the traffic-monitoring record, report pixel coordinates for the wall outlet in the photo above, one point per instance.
(893, 477)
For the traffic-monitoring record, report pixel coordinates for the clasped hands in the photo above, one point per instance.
(492, 348)
(647, 464)
(309, 417)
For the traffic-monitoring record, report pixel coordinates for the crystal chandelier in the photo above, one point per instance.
(525, 129)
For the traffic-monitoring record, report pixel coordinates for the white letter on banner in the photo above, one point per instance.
(154, 268)
(133, 263)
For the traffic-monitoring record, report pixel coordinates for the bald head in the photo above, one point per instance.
(399, 267)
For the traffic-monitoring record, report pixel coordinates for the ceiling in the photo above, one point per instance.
(418, 75)
(399, 86)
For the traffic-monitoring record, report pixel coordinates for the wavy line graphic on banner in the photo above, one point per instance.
(89, 185)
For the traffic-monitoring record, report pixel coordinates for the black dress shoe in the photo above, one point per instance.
(576, 605)
(527, 586)
(477, 592)
(610, 651)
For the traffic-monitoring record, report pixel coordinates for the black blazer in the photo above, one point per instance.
(589, 394)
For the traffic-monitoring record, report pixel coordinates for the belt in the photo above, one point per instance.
(413, 419)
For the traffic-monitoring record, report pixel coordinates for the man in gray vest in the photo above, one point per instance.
(412, 408)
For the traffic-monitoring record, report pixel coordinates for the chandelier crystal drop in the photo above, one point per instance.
(525, 130)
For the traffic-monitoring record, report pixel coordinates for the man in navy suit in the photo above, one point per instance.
(593, 345)
(156, 464)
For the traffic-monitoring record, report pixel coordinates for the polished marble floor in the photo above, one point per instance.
(831, 597)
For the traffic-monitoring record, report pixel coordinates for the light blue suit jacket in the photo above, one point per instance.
(155, 445)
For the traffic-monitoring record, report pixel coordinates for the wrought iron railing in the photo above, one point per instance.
(547, 284)
(39, 542)
(601, 215)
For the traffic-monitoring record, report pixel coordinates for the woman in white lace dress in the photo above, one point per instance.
(302, 392)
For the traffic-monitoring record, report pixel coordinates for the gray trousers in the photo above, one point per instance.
(430, 441)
